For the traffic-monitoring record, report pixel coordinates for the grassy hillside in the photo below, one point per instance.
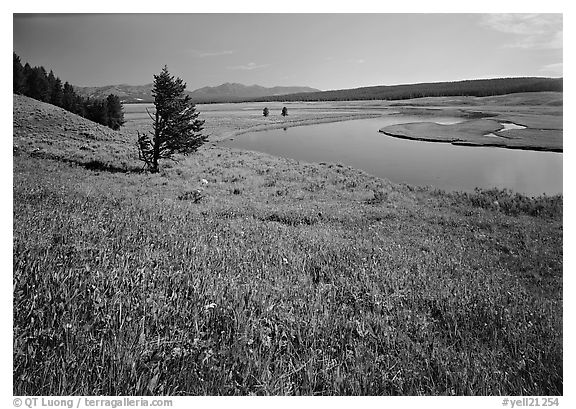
(284, 278)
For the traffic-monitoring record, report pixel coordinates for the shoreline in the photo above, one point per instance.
(471, 143)
(470, 118)
(481, 132)
(226, 135)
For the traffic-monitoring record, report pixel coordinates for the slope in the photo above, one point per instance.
(283, 278)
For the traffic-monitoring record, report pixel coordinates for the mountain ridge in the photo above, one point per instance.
(227, 92)
(235, 92)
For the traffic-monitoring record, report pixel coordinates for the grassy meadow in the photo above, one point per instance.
(540, 112)
(480, 132)
(279, 278)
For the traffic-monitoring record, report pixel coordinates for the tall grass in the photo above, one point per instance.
(511, 203)
(120, 288)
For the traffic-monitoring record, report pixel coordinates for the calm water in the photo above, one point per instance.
(359, 144)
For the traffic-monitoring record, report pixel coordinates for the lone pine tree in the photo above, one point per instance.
(176, 127)
(115, 112)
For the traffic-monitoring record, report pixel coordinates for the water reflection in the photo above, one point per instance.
(359, 144)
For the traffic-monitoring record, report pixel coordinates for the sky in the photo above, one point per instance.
(324, 51)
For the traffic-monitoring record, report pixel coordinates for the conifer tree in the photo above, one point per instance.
(40, 85)
(115, 112)
(55, 86)
(19, 84)
(176, 127)
(68, 97)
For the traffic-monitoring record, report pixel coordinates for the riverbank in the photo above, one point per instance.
(220, 135)
(540, 114)
(223, 121)
(278, 277)
(480, 132)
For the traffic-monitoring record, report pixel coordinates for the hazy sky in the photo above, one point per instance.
(325, 51)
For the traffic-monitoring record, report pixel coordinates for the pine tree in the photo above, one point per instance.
(79, 106)
(37, 84)
(115, 112)
(19, 83)
(101, 111)
(55, 87)
(68, 97)
(96, 110)
(43, 84)
(28, 80)
(176, 127)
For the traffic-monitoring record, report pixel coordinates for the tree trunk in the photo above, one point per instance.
(156, 154)
(154, 167)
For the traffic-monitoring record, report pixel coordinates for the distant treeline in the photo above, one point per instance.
(35, 82)
(477, 88)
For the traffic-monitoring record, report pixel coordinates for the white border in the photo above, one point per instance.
(291, 6)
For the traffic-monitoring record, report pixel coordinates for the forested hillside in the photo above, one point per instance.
(478, 88)
(37, 83)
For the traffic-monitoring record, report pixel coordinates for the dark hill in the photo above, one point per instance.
(479, 88)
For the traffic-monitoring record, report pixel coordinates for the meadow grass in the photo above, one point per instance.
(478, 132)
(281, 278)
(122, 288)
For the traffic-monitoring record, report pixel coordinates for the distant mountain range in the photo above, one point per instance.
(126, 93)
(228, 92)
